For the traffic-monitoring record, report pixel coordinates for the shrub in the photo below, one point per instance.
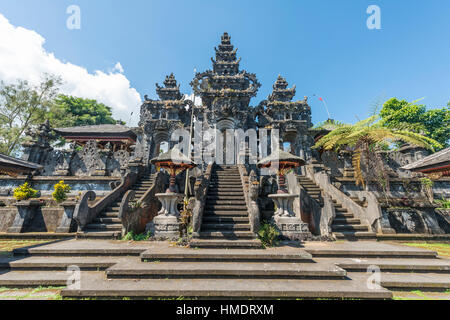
(443, 203)
(268, 234)
(24, 192)
(137, 237)
(61, 191)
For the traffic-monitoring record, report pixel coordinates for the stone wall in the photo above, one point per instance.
(47, 219)
(101, 185)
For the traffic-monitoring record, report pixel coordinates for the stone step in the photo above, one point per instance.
(415, 281)
(85, 248)
(206, 227)
(59, 263)
(234, 202)
(366, 249)
(206, 270)
(219, 219)
(286, 254)
(227, 235)
(216, 193)
(107, 220)
(18, 279)
(221, 213)
(114, 214)
(104, 226)
(348, 227)
(344, 214)
(355, 235)
(221, 198)
(346, 221)
(225, 243)
(225, 189)
(97, 286)
(228, 207)
(98, 235)
(114, 208)
(392, 265)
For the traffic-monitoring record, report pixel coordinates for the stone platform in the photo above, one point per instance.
(115, 269)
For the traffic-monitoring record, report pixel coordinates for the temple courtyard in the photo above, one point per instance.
(115, 269)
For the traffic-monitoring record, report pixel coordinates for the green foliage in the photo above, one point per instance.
(23, 106)
(61, 191)
(435, 123)
(68, 111)
(268, 234)
(365, 139)
(137, 237)
(24, 192)
(443, 203)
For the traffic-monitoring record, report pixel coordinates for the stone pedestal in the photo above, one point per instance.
(292, 228)
(166, 224)
(166, 227)
(26, 211)
(67, 219)
(284, 203)
(289, 225)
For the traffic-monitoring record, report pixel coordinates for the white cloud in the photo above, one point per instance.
(22, 56)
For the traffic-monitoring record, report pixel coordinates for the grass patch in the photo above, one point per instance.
(7, 246)
(443, 249)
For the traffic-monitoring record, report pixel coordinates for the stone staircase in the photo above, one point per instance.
(344, 225)
(117, 269)
(311, 188)
(225, 218)
(108, 224)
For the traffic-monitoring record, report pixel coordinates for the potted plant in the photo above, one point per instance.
(60, 196)
(26, 207)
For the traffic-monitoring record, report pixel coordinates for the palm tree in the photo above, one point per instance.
(365, 139)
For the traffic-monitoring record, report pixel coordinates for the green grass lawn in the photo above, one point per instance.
(443, 249)
(7, 246)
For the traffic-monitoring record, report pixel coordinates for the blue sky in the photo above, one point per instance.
(323, 47)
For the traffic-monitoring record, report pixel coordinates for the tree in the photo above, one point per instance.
(365, 139)
(68, 111)
(23, 105)
(435, 123)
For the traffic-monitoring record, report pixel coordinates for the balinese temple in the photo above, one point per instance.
(114, 160)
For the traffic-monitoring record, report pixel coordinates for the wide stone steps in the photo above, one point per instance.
(339, 221)
(59, 263)
(97, 286)
(243, 270)
(117, 269)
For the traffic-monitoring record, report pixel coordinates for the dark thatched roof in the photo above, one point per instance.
(13, 166)
(434, 161)
(97, 131)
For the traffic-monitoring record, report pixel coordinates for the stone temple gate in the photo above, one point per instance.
(225, 92)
